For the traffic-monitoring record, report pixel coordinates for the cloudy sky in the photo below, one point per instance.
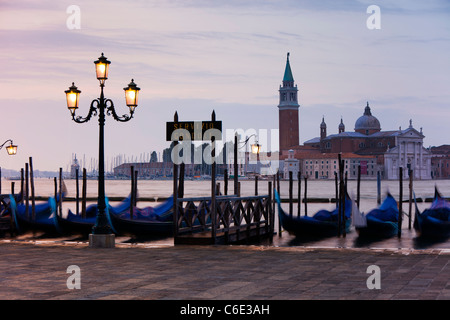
(229, 56)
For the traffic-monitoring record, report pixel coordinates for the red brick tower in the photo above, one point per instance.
(288, 111)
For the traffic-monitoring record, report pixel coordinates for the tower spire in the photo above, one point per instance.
(288, 79)
(341, 127)
(323, 129)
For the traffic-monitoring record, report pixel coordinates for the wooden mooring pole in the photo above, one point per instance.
(336, 192)
(175, 187)
(305, 197)
(181, 179)
(400, 203)
(291, 207)
(299, 202)
(136, 173)
(344, 196)
(83, 194)
(278, 183)
(274, 184)
(21, 185)
(271, 213)
(55, 182)
(59, 203)
(77, 191)
(411, 177)
(225, 182)
(340, 196)
(235, 165)
(132, 192)
(27, 188)
(213, 182)
(277, 178)
(33, 202)
(358, 187)
(378, 187)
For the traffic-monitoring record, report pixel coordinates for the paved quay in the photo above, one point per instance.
(38, 270)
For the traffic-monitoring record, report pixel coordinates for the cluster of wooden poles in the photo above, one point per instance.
(27, 190)
(341, 193)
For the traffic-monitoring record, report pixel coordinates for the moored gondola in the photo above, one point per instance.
(145, 222)
(77, 223)
(322, 224)
(44, 219)
(381, 222)
(433, 222)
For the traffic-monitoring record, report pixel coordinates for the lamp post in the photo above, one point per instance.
(11, 149)
(255, 149)
(99, 107)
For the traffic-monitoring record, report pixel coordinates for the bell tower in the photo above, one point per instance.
(323, 129)
(288, 111)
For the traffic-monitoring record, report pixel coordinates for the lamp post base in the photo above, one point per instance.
(101, 240)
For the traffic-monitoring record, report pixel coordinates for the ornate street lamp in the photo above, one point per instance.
(11, 149)
(99, 107)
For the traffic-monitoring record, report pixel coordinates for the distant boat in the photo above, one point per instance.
(381, 222)
(434, 222)
(322, 224)
(231, 176)
(13, 178)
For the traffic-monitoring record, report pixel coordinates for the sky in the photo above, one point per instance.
(197, 56)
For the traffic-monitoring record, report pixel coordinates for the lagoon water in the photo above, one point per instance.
(316, 189)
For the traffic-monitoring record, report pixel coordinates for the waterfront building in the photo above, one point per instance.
(440, 162)
(291, 164)
(144, 169)
(375, 150)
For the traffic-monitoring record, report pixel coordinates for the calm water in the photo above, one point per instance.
(316, 189)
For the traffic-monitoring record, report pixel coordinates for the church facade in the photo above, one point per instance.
(376, 151)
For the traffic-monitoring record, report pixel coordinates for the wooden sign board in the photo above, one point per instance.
(198, 130)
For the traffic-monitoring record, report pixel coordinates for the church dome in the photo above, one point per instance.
(367, 123)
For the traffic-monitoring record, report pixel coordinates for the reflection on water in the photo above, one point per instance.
(316, 189)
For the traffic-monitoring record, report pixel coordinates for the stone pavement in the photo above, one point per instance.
(33, 270)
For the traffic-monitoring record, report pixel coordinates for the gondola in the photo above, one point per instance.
(76, 223)
(381, 222)
(148, 221)
(45, 218)
(434, 222)
(322, 224)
